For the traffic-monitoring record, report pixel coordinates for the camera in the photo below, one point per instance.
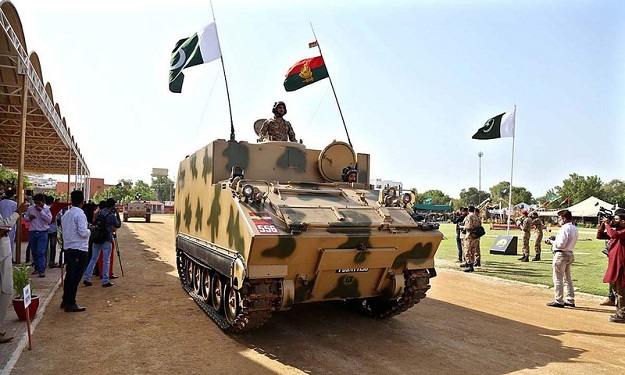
(605, 213)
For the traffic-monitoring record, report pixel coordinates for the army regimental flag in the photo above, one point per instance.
(305, 72)
(500, 126)
(200, 48)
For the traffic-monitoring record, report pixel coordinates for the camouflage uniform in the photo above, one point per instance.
(526, 226)
(539, 234)
(470, 244)
(277, 129)
(478, 253)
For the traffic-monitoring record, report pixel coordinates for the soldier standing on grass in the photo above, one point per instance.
(470, 243)
(459, 232)
(538, 224)
(478, 252)
(526, 227)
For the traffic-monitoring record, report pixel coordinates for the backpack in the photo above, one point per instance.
(99, 232)
(478, 232)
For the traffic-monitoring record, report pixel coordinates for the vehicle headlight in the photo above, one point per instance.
(248, 190)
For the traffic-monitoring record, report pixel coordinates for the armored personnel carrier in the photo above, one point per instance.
(137, 208)
(263, 226)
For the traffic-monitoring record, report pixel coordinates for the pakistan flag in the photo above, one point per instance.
(500, 126)
(200, 48)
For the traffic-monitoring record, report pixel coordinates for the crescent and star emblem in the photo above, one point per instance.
(181, 60)
(488, 126)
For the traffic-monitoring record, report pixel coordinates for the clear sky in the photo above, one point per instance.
(415, 80)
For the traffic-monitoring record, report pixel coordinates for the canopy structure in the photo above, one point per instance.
(34, 137)
(586, 208)
(431, 207)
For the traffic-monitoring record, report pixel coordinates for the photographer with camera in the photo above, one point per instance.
(602, 235)
(110, 217)
(614, 229)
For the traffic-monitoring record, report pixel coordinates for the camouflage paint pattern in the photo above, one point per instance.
(332, 240)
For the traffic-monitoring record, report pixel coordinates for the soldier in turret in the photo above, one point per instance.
(277, 128)
(349, 174)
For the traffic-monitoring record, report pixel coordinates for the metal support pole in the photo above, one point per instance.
(479, 188)
(20, 168)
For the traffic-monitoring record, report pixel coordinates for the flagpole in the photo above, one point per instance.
(511, 171)
(223, 67)
(332, 85)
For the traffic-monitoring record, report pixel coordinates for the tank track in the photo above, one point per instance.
(416, 285)
(257, 307)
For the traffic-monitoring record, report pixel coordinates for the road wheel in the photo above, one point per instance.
(231, 307)
(217, 292)
(188, 272)
(205, 284)
(197, 278)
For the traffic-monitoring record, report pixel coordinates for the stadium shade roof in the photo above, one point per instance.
(49, 143)
(431, 207)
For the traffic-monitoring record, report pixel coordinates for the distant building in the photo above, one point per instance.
(379, 184)
(157, 207)
(42, 184)
(95, 185)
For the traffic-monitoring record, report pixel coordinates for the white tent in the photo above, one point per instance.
(586, 208)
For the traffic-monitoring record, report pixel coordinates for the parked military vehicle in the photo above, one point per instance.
(263, 226)
(137, 208)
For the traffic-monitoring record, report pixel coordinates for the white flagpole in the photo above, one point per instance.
(511, 172)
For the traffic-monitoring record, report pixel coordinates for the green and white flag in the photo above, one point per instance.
(200, 48)
(500, 126)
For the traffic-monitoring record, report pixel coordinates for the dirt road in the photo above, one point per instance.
(146, 324)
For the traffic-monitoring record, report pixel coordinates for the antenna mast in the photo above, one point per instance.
(332, 85)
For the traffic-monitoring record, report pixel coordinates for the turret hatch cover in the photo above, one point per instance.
(336, 156)
(257, 124)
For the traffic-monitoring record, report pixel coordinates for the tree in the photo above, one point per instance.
(579, 188)
(614, 192)
(10, 176)
(142, 189)
(163, 186)
(500, 193)
(434, 197)
(550, 200)
(472, 196)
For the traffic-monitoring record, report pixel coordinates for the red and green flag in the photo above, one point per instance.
(313, 44)
(305, 72)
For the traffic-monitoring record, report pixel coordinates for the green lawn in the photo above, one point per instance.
(587, 270)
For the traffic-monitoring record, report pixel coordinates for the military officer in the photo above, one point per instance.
(538, 224)
(277, 128)
(470, 243)
(526, 227)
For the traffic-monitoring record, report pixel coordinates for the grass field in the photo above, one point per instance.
(587, 270)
